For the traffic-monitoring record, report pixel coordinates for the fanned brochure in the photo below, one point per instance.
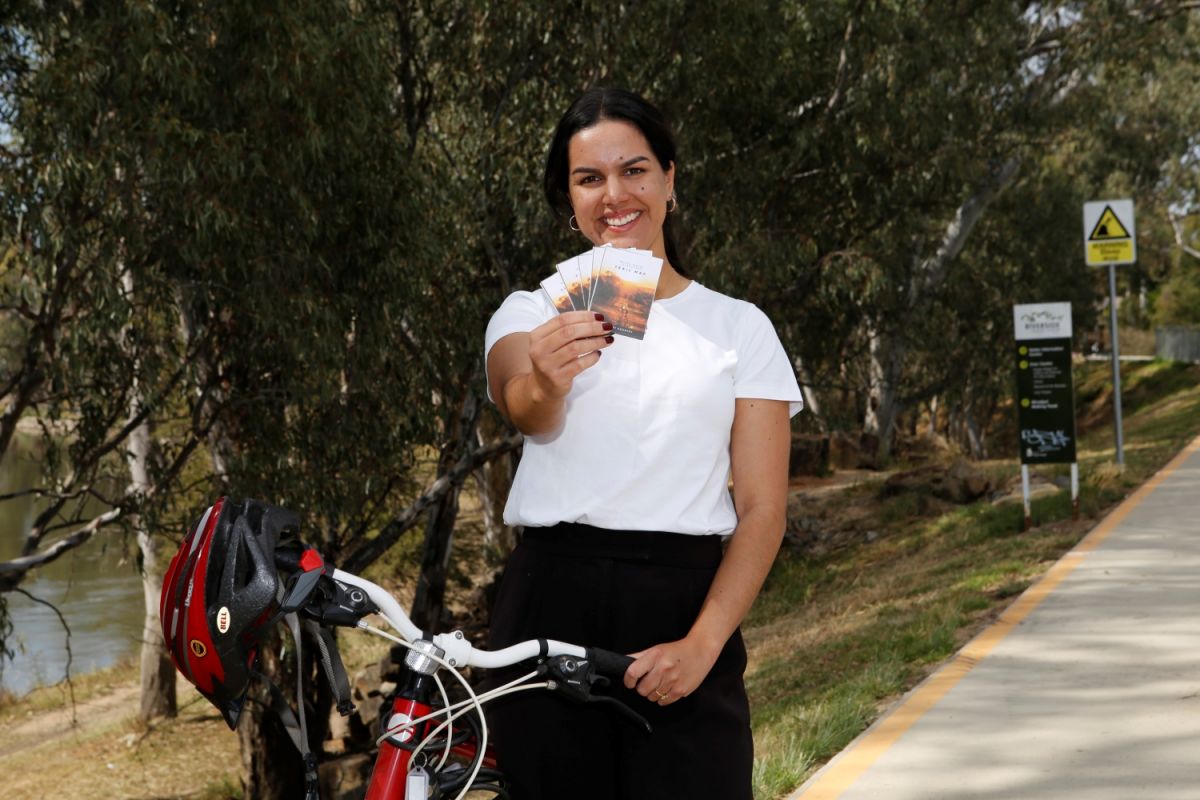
(616, 282)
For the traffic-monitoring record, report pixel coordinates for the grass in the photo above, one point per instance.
(836, 638)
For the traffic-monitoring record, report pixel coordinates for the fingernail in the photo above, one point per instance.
(599, 317)
(607, 326)
(608, 339)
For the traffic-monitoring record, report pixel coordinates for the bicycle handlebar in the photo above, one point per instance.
(609, 663)
(460, 653)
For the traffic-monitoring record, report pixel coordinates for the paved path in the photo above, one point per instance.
(1087, 687)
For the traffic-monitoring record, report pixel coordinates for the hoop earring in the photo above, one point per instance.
(672, 203)
(571, 224)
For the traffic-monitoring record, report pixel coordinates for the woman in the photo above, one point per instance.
(623, 488)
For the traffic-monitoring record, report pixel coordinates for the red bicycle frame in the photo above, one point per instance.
(389, 778)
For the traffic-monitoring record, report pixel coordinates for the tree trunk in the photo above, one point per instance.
(811, 403)
(157, 669)
(976, 445)
(429, 600)
(883, 395)
(888, 353)
(493, 480)
(271, 766)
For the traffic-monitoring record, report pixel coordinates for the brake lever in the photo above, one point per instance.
(627, 712)
(577, 677)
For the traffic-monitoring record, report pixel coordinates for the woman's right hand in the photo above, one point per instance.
(530, 373)
(565, 346)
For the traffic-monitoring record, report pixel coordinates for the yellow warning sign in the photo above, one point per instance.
(1108, 232)
(1108, 227)
(1112, 251)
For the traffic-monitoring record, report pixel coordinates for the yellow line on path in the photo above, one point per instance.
(847, 767)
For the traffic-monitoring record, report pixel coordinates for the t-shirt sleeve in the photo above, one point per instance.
(520, 312)
(763, 369)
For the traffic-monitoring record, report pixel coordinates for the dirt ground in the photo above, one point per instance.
(99, 750)
(85, 718)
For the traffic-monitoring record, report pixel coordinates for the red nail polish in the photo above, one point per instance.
(599, 317)
(607, 326)
(608, 339)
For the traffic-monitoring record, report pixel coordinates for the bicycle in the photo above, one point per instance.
(413, 727)
(213, 634)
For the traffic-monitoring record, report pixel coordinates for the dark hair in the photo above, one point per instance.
(596, 105)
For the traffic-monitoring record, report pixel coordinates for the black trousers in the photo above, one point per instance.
(624, 591)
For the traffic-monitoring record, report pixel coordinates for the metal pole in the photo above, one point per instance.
(1116, 362)
(1025, 494)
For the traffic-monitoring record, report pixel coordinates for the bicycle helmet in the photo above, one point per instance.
(220, 594)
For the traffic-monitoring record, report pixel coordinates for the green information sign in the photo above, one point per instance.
(1045, 389)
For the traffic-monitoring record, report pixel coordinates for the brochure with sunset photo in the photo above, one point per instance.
(616, 282)
(624, 290)
(569, 271)
(556, 293)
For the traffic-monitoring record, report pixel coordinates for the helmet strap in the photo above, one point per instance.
(294, 723)
(294, 728)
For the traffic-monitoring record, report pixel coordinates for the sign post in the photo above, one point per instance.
(1045, 393)
(1110, 239)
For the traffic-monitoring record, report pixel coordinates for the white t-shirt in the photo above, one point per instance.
(645, 440)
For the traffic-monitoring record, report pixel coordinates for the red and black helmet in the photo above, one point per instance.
(221, 592)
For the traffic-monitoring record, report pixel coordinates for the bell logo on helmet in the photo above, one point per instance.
(198, 648)
(223, 620)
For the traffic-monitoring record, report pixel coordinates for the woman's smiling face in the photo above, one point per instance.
(618, 189)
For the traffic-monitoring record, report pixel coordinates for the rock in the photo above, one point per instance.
(1011, 492)
(965, 484)
(960, 483)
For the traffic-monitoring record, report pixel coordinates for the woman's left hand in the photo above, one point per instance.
(666, 672)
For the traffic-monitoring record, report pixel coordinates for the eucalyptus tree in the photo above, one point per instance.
(285, 214)
(86, 360)
(878, 140)
(205, 226)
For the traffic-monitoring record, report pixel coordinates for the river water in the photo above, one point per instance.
(96, 587)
